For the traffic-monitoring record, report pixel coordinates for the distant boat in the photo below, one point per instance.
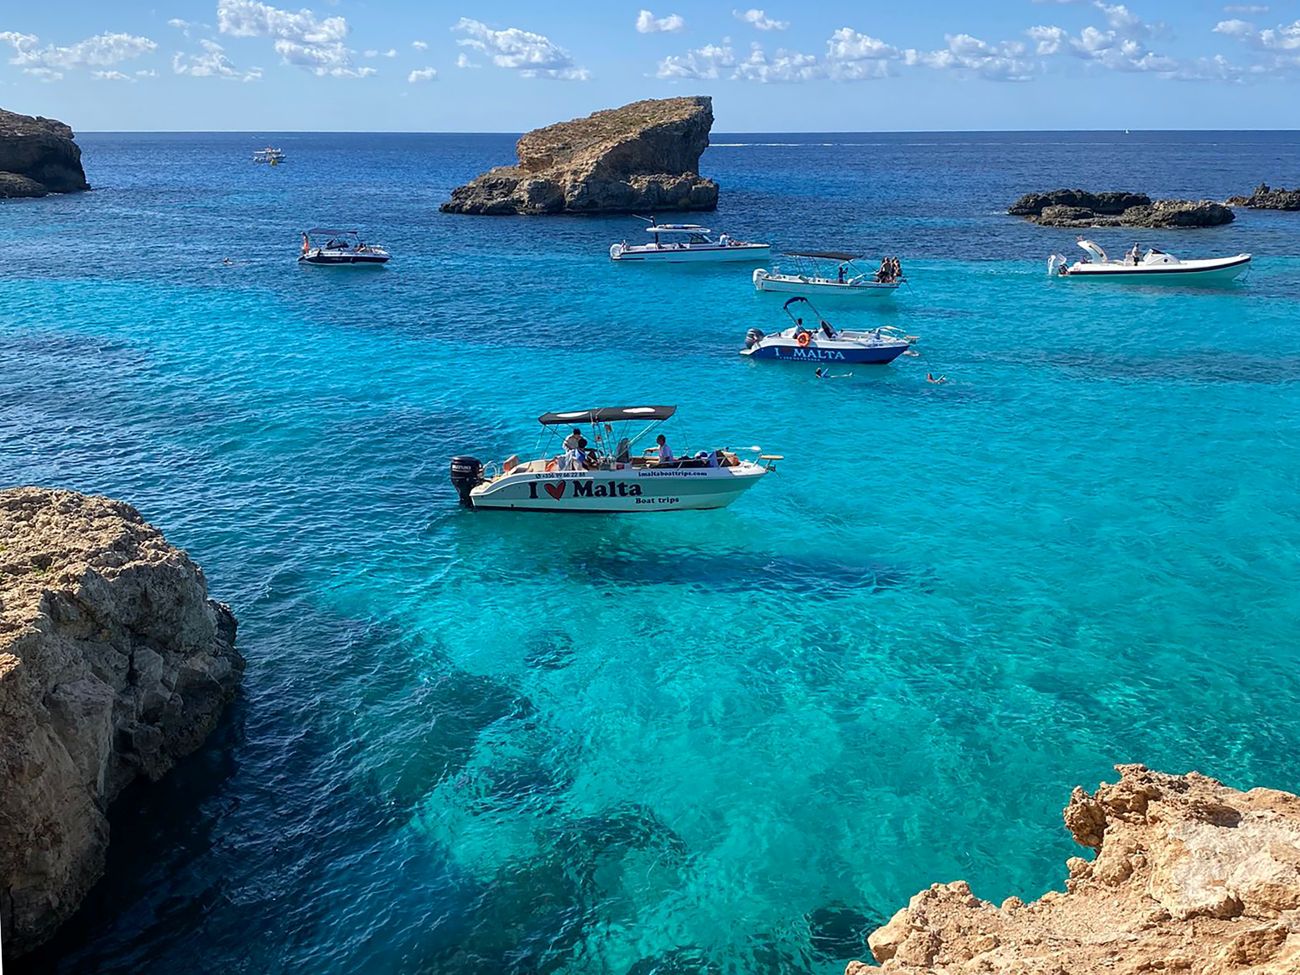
(822, 343)
(1126, 132)
(1154, 265)
(829, 273)
(270, 155)
(688, 243)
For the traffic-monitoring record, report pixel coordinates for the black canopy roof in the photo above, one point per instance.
(608, 414)
(825, 255)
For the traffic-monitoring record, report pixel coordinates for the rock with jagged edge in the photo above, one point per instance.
(37, 157)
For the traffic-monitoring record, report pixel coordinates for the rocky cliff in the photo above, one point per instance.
(1190, 877)
(1265, 197)
(1080, 209)
(642, 157)
(113, 665)
(38, 157)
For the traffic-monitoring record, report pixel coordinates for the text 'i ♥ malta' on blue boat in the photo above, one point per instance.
(339, 248)
(814, 339)
(599, 472)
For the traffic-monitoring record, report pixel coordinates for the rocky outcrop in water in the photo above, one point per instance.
(113, 665)
(1189, 877)
(37, 157)
(643, 157)
(1265, 197)
(1081, 210)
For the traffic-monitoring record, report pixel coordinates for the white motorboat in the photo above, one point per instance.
(831, 274)
(1154, 265)
(339, 248)
(823, 343)
(688, 243)
(605, 475)
(270, 155)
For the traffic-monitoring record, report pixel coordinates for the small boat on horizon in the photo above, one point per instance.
(823, 343)
(340, 248)
(1154, 265)
(603, 474)
(688, 243)
(270, 155)
(848, 279)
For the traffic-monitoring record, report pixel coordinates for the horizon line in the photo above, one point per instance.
(719, 132)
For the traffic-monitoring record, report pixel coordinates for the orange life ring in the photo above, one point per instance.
(802, 339)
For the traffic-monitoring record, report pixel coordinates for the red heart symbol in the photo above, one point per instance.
(556, 490)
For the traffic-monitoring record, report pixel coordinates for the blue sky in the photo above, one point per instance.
(411, 65)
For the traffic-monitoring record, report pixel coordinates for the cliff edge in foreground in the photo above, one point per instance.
(38, 157)
(113, 664)
(642, 157)
(1191, 877)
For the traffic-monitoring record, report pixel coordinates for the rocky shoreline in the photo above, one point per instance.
(114, 664)
(1264, 197)
(38, 156)
(1081, 209)
(1190, 876)
(641, 158)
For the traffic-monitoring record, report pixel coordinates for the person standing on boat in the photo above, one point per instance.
(571, 441)
(665, 452)
(1133, 254)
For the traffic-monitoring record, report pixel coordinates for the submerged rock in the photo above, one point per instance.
(1190, 876)
(1079, 210)
(38, 156)
(642, 157)
(113, 664)
(1266, 198)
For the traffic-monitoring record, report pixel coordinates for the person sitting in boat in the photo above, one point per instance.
(898, 269)
(575, 457)
(571, 441)
(665, 452)
(724, 240)
(590, 456)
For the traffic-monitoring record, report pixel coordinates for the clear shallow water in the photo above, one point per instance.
(737, 738)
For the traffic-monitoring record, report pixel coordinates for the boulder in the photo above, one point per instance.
(1266, 198)
(1112, 203)
(1189, 876)
(113, 665)
(641, 157)
(38, 156)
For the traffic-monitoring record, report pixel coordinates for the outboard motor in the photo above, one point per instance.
(753, 337)
(466, 475)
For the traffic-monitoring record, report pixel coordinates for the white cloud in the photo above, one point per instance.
(111, 76)
(212, 63)
(299, 38)
(705, 63)
(759, 20)
(420, 45)
(1245, 8)
(421, 74)
(1047, 40)
(1002, 61)
(532, 55)
(49, 62)
(463, 61)
(648, 23)
(376, 53)
(146, 73)
(784, 66)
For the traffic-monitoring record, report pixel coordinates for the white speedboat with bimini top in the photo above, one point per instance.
(339, 248)
(821, 342)
(270, 155)
(1154, 265)
(830, 274)
(602, 472)
(688, 243)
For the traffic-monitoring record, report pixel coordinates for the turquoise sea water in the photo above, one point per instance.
(725, 741)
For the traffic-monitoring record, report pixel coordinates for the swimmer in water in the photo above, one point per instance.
(932, 378)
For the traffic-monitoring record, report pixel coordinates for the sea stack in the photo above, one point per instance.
(643, 157)
(37, 157)
(113, 665)
(1189, 876)
(1081, 210)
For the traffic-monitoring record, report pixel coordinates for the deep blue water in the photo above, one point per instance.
(720, 741)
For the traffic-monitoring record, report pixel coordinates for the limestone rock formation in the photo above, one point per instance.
(1266, 198)
(1190, 877)
(1080, 209)
(113, 664)
(643, 157)
(38, 157)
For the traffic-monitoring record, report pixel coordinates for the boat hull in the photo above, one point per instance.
(872, 355)
(1186, 272)
(620, 491)
(792, 285)
(690, 255)
(344, 260)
